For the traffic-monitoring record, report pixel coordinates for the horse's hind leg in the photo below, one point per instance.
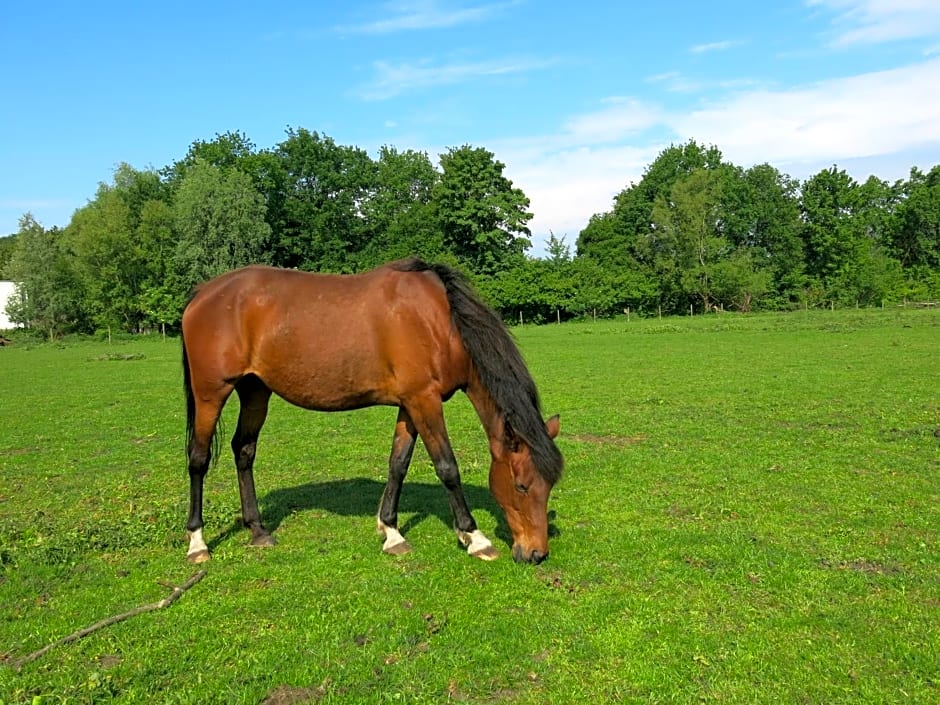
(200, 453)
(403, 444)
(253, 397)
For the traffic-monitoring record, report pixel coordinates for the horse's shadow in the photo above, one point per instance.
(360, 497)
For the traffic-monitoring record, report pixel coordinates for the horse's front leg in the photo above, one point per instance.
(403, 445)
(433, 432)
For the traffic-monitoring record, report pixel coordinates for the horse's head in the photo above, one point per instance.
(522, 491)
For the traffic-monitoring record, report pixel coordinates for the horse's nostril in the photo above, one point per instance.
(522, 555)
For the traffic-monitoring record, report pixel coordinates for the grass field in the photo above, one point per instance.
(750, 514)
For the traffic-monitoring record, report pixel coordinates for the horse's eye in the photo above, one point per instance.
(522, 489)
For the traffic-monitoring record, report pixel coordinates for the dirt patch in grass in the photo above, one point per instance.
(10, 452)
(112, 357)
(861, 565)
(291, 695)
(609, 440)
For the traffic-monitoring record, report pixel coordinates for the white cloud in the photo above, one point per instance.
(713, 46)
(877, 21)
(567, 186)
(867, 115)
(424, 14)
(872, 118)
(674, 82)
(393, 79)
(622, 117)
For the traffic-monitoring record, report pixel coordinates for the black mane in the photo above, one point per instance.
(499, 365)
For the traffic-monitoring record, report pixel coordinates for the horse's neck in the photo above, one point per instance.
(490, 415)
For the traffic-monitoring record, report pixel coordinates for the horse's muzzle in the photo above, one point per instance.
(521, 555)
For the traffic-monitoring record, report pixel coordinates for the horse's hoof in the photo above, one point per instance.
(263, 541)
(487, 553)
(478, 545)
(198, 557)
(397, 549)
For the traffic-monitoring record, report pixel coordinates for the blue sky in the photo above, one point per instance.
(575, 98)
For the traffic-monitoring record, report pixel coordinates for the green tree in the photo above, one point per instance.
(559, 253)
(399, 215)
(235, 151)
(119, 249)
(687, 242)
(163, 293)
(915, 238)
(600, 290)
(762, 220)
(847, 234)
(219, 218)
(618, 238)
(48, 293)
(527, 290)
(7, 245)
(738, 282)
(603, 240)
(483, 217)
(828, 203)
(320, 225)
(230, 150)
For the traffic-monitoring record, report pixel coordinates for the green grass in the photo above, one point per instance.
(750, 514)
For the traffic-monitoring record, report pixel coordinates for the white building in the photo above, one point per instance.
(7, 289)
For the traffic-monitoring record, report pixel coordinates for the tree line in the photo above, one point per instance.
(695, 233)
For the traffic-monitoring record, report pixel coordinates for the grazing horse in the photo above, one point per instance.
(408, 335)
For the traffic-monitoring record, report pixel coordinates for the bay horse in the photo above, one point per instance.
(407, 334)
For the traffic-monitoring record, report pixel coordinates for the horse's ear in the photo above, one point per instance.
(512, 440)
(553, 426)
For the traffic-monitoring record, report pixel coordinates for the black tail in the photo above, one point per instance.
(499, 364)
(190, 399)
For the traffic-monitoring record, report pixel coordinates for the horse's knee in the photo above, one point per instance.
(244, 452)
(448, 473)
(199, 461)
(397, 471)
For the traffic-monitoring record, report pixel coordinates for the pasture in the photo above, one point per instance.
(750, 513)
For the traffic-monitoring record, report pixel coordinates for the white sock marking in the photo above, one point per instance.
(475, 541)
(392, 538)
(196, 543)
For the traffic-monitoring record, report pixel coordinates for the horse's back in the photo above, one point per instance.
(325, 341)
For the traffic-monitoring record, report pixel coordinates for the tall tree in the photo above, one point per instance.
(7, 245)
(106, 258)
(113, 240)
(229, 150)
(687, 243)
(762, 220)
(399, 215)
(162, 292)
(617, 238)
(828, 203)
(846, 230)
(915, 239)
(219, 219)
(321, 226)
(48, 293)
(484, 218)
